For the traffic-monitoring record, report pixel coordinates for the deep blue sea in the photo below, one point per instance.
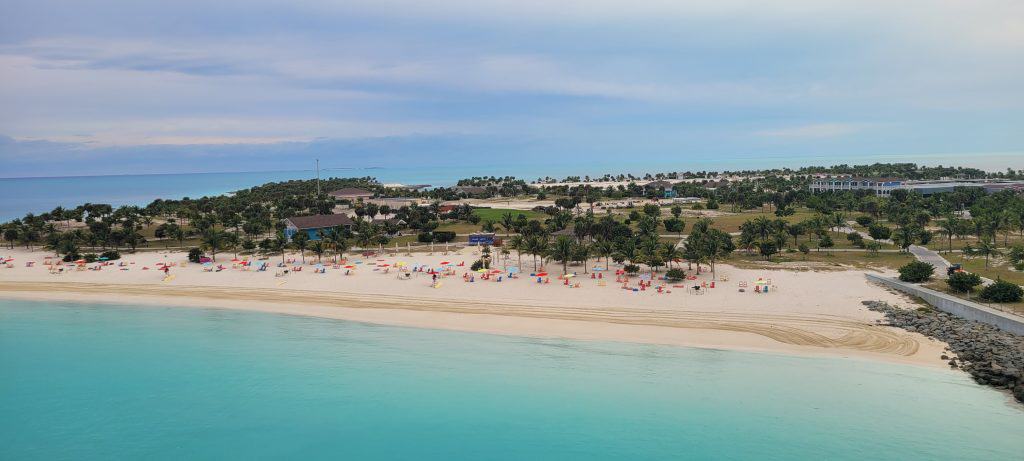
(87, 381)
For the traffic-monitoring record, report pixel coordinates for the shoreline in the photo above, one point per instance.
(748, 332)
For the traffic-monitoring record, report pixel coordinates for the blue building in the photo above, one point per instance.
(313, 225)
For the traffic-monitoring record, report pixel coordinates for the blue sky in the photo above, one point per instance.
(103, 87)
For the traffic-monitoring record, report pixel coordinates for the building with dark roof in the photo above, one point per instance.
(471, 190)
(351, 193)
(312, 225)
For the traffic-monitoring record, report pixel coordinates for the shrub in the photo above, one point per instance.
(74, 256)
(444, 236)
(425, 237)
(111, 255)
(865, 221)
(697, 206)
(879, 232)
(804, 248)
(963, 282)
(90, 257)
(916, 272)
(675, 274)
(1002, 292)
(631, 268)
(477, 265)
(195, 254)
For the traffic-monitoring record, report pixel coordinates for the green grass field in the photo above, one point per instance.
(495, 214)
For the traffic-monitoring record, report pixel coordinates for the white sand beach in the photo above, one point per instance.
(804, 313)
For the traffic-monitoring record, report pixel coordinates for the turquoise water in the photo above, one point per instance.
(84, 381)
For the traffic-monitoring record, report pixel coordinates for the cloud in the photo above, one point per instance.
(815, 130)
(650, 77)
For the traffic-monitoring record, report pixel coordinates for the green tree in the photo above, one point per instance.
(300, 240)
(213, 240)
(562, 251)
(963, 282)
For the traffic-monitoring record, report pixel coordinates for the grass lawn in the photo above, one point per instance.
(996, 269)
(494, 214)
(461, 227)
(838, 259)
(732, 222)
(940, 243)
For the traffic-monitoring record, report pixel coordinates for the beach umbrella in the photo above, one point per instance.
(104, 258)
(542, 274)
(569, 276)
(80, 261)
(513, 270)
(350, 267)
(482, 270)
(445, 263)
(383, 265)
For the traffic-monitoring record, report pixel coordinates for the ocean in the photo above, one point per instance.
(19, 196)
(91, 381)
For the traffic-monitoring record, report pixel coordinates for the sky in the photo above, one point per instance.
(111, 87)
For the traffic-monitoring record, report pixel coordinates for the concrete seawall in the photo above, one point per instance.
(956, 306)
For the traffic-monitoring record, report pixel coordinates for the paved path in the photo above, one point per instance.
(930, 257)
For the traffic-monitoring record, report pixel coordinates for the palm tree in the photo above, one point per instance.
(213, 240)
(562, 251)
(300, 241)
(987, 249)
(581, 253)
(518, 243)
(949, 227)
(839, 221)
(671, 252)
(318, 248)
(604, 248)
(508, 222)
(537, 245)
(280, 243)
(796, 230)
(335, 239)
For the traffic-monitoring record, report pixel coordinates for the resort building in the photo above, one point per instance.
(312, 225)
(351, 193)
(880, 186)
(884, 187)
(471, 191)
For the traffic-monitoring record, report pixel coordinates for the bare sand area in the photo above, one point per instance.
(803, 313)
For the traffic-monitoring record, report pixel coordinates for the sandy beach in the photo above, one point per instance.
(804, 313)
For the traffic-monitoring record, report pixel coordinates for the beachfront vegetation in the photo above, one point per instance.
(767, 215)
(963, 281)
(917, 272)
(1002, 291)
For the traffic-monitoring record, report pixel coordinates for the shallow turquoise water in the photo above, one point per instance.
(85, 381)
